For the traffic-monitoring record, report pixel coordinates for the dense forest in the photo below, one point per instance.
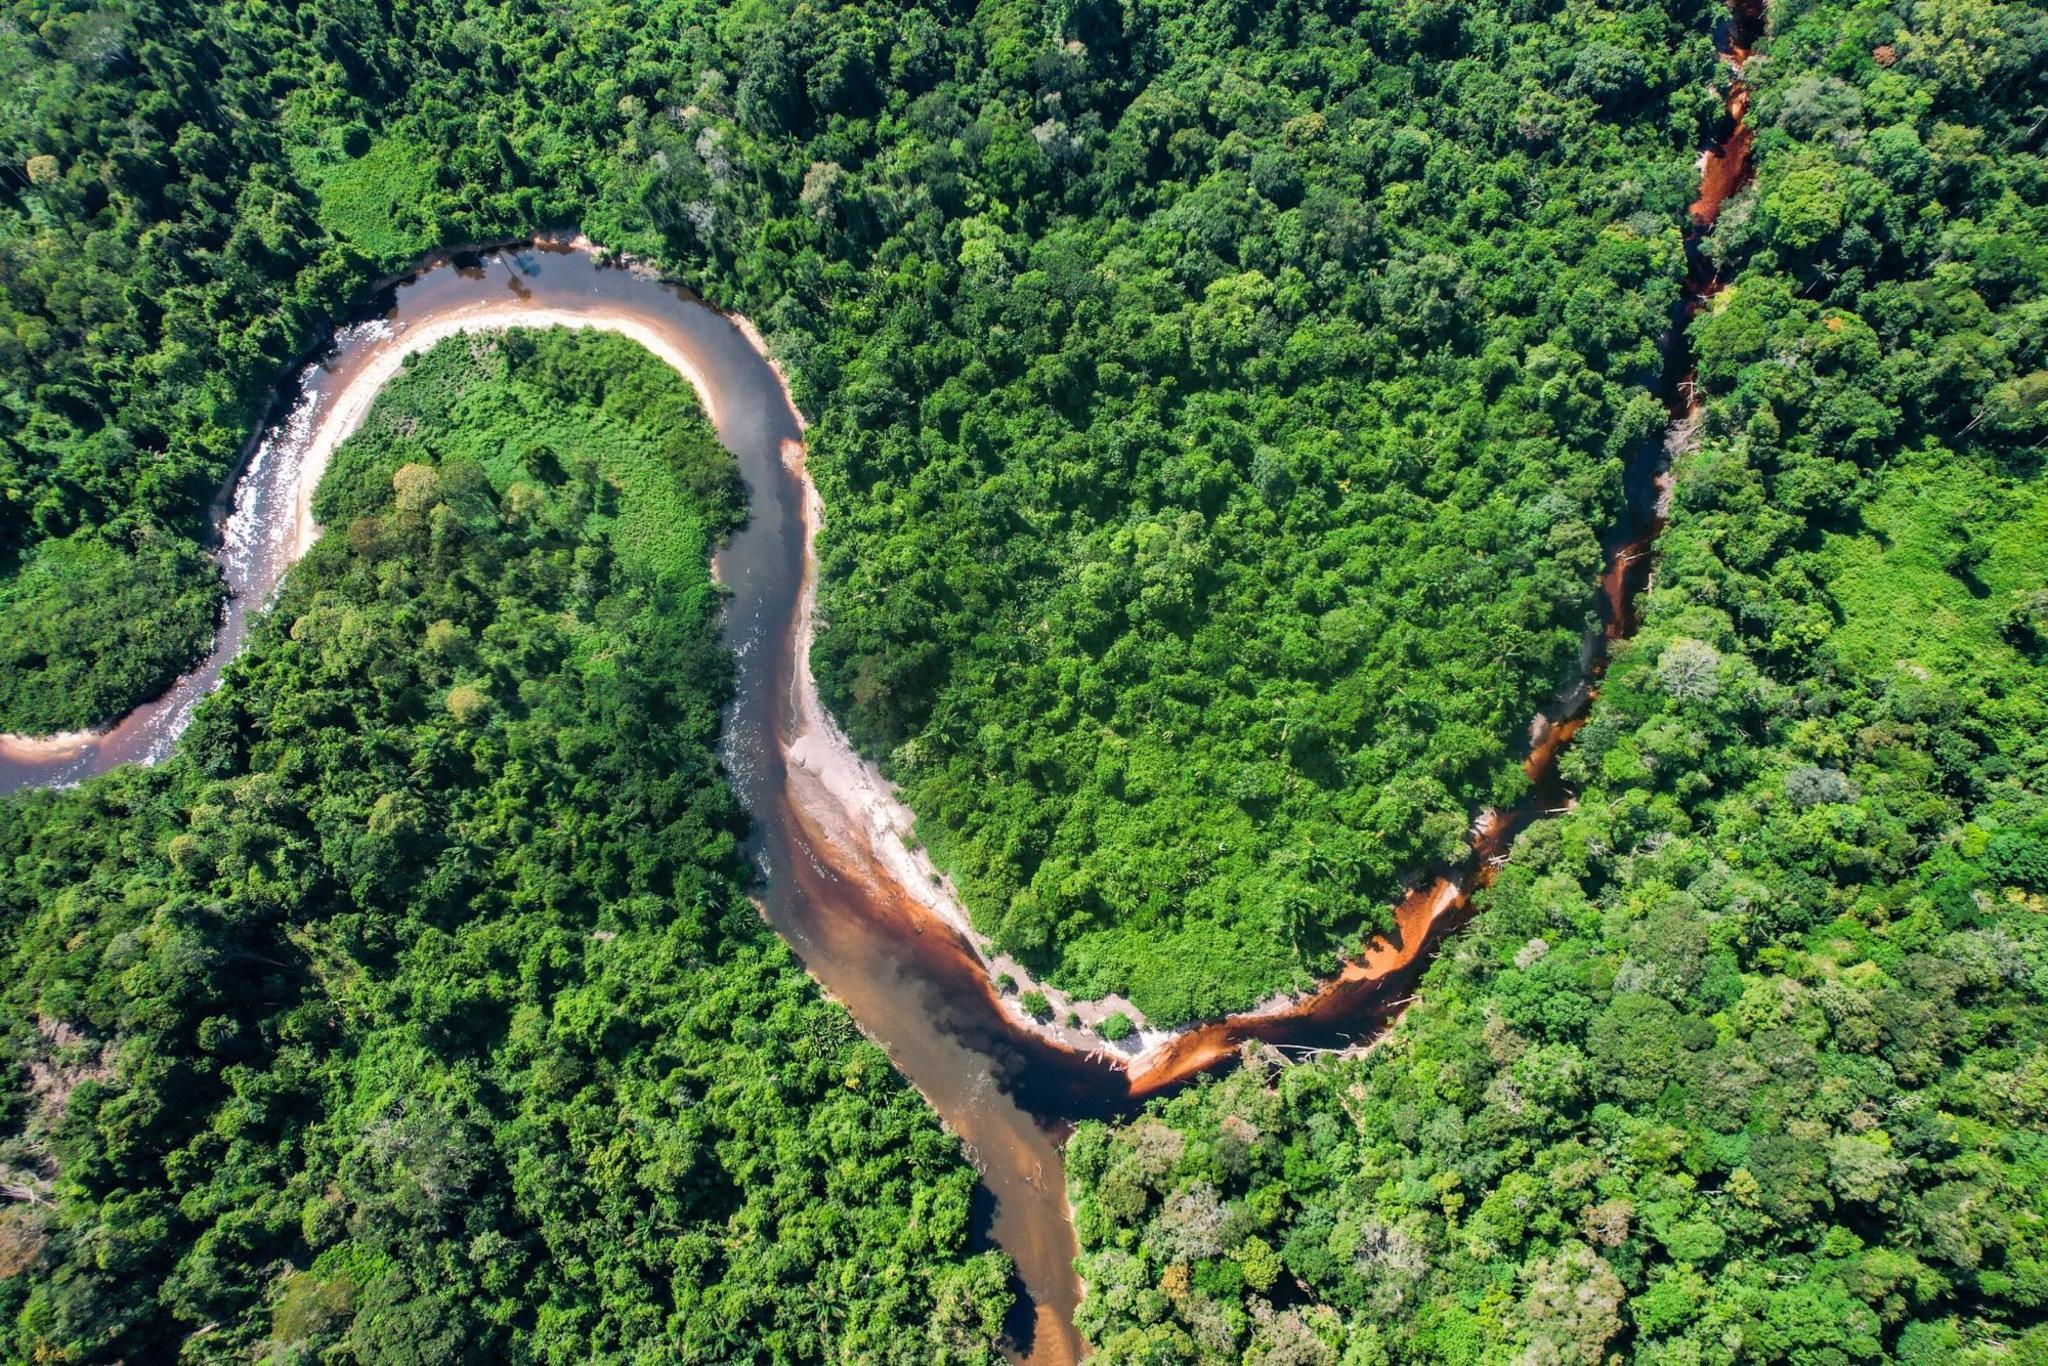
(1215, 404)
(415, 1011)
(1205, 595)
(1745, 1058)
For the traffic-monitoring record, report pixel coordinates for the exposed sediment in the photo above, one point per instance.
(845, 881)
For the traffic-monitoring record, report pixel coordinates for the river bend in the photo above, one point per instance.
(835, 883)
(913, 984)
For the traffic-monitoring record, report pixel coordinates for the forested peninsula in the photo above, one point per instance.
(1222, 414)
(1745, 1057)
(1220, 611)
(415, 1010)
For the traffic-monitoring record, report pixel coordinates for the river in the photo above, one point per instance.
(914, 986)
(828, 888)
(1356, 1004)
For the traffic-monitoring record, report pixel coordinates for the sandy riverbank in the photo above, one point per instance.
(848, 798)
(44, 748)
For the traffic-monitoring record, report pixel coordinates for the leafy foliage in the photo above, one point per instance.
(1744, 1057)
(1211, 507)
(94, 626)
(1214, 402)
(156, 271)
(415, 1010)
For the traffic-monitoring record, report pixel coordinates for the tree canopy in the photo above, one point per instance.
(1215, 404)
(415, 1010)
(1743, 1057)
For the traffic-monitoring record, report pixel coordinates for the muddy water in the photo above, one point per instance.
(913, 986)
(911, 982)
(1357, 1003)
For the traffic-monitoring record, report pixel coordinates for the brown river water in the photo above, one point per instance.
(1368, 992)
(912, 982)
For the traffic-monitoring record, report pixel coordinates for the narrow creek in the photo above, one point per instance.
(1367, 993)
(914, 983)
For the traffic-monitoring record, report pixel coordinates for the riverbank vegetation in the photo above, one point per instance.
(415, 1009)
(1199, 562)
(1215, 405)
(1744, 1057)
